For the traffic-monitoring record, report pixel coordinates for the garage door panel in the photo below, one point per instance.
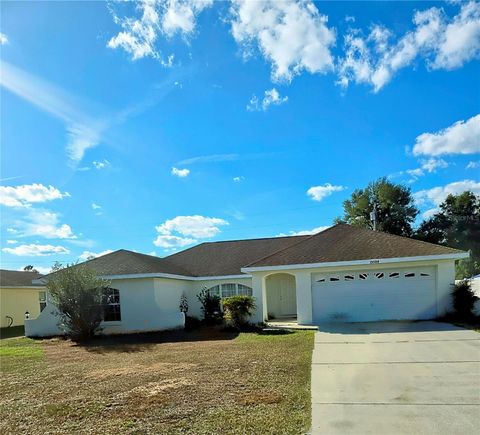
(371, 299)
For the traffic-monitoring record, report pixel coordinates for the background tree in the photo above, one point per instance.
(395, 207)
(30, 268)
(79, 296)
(456, 224)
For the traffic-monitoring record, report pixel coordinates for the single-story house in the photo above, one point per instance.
(18, 296)
(344, 273)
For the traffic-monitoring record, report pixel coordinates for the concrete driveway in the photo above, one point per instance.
(396, 378)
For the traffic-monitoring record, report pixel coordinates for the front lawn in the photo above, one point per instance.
(199, 382)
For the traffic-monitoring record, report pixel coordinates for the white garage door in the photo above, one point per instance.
(360, 296)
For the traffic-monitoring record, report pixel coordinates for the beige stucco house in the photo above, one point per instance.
(19, 295)
(344, 273)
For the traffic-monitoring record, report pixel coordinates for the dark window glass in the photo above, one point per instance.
(424, 274)
(410, 275)
(363, 275)
(379, 275)
(111, 305)
(394, 275)
(349, 277)
(334, 278)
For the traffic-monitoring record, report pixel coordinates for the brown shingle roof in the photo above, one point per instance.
(349, 243)
(123, 262)
(227, 258)
(17, 278)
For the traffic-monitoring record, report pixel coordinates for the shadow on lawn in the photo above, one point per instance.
(140, 342)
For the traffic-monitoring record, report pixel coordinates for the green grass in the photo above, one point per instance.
(18, 354)
(199, 382)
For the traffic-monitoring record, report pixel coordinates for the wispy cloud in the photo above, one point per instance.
(181, 173)
(210, 158)
(34, 250)
(271, 98)
(83, 131)
(3, 39)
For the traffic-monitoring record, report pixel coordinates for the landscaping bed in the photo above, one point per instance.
(206, 381)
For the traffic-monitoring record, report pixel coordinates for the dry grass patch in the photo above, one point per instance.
(201, 382)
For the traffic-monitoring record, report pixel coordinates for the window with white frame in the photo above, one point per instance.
(230, 289)
(42, 299)
(111, 305)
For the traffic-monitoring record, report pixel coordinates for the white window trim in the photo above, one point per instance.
(236, 284)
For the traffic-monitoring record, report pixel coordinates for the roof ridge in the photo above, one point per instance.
(291, 246)
(406, 237)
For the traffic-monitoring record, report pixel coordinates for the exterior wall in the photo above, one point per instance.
(149, 304)
(445, 277)
(14, 302)
(194, 306)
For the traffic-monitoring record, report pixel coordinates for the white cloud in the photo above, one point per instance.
(167, 241)
(211, 158)
(317, 193)
(437, 195)
(304, 232)
(12, 242)
(96, 206)
(83, 132)
(349, 18)
(188, 229)
(238, 179)
(463, 137)
(473, 165)
(444, 43)
(87, 255)
(293, 36)
(24, 195)
(156, 18)
(427, 166)
(182, 173)
(194, 226)
(34, 250)
(101, 164)
(272, 97)
(3, 39)
(42, 223)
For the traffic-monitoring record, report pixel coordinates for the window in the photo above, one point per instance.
(42, 299)
(321, 280)
(394, 275)
(244, 290)
(214, 291)
(379, 275)
(363, 275)
(111, 305)
(230, 289)
(349, 277)
(410, 275)
(334, 278)
(424, 274)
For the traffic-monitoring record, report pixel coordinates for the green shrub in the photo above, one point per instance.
(212, 313)
(463, 300)
(238, 309)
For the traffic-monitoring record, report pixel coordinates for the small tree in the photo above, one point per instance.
(78, 295)
(463, 300)
(183, 304)
(210, 306)
(238, 309)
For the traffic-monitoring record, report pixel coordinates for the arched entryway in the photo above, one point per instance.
(281, 296)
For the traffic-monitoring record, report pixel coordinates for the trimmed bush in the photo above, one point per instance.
(238, 309)
(463, 300)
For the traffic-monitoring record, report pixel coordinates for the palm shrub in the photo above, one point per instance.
(463, 300)
(78, 295)
(238, 309)
(211, 310)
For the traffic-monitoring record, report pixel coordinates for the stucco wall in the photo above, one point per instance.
(445, 277)
(14, 302)
(149, 304)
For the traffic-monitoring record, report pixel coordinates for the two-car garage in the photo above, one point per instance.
(374, 294)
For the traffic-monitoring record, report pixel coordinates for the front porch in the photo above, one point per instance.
(289, 323)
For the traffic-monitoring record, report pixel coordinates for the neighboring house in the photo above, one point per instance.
(343, 273)
(19, 295)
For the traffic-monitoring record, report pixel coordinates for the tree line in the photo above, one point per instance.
(456, 223)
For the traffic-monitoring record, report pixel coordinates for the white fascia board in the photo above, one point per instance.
(357, 262)
(171, 276)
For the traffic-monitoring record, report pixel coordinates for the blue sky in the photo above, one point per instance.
(152, 126)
